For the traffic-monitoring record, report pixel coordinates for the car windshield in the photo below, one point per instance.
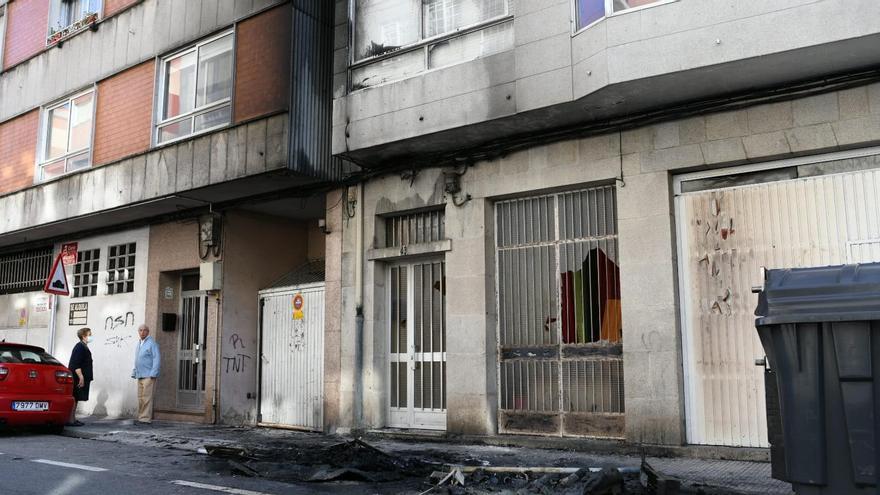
(25, 355)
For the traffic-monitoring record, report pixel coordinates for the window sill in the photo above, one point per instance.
(399, 252)
(38, 182)
(59, 37)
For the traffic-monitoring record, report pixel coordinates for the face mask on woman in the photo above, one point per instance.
(89, 339)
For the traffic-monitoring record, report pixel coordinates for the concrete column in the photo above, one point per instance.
(470, 309)
(651, 340)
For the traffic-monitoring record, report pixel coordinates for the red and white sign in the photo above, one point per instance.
(298, 307)
(68, 253)
(57, 281)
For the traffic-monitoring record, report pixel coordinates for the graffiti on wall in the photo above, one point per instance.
(236, 363)
(112, 323)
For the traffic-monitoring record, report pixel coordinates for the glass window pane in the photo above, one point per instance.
(589, 11)
(53, 169)
(78, 162)
(175, 130)
(621, 5)
(383, 25)
(471, 46)
(444, 16)
(213, 118)
(59, 120)
(215, 71)
(180, 74)
(81, 122)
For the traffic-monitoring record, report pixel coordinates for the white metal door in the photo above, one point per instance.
(725, 237)
(191, 350)
(417, 345)
(292, 357)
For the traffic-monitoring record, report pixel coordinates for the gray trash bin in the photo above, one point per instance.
(820, 328)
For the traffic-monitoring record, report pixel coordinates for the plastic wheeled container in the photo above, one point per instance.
(820, 328)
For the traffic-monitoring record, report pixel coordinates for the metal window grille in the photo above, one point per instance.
(25, 270)
(559, 311)
(120, 268)
(85, 273)
(414, 228)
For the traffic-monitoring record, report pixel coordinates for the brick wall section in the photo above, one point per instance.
(18, 148)
(113, 6)
(27, 24)
(262, 63)
(123, 117)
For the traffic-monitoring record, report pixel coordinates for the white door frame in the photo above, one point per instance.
(692, 418)
(410, 416)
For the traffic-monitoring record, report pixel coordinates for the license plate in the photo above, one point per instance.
(30, 406)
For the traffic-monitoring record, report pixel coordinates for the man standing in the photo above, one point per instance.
(146, 370)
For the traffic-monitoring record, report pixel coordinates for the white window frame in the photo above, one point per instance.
(423, 42)
(160, 102)
(609, 12)
(42, 159)
(55, 11)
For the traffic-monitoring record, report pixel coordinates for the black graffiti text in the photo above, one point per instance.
(236, 363)
(121, 321)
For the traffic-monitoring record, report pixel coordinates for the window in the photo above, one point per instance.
(85, 273)
(2, 29)
(24, 271)
(400, 38)
(590, 11)
(67, 17)
(17, 355)
(415, 228)
(120, 268)
(196, 90)
(67, 136)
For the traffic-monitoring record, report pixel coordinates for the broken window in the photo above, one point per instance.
(590, 11)
(560, 327)
(401, 35)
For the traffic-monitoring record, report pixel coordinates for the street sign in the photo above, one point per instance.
(68, 253)
(57, 281)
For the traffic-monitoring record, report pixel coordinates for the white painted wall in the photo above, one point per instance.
(24, 318)
(113, 393)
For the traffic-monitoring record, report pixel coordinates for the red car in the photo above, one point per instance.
(35, 389)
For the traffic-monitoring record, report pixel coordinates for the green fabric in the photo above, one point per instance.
(579, 311)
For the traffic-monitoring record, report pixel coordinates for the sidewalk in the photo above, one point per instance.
(282, 449)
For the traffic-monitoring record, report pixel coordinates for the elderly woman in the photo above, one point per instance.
(81, 366)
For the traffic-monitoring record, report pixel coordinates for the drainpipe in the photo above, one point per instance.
(359, 311)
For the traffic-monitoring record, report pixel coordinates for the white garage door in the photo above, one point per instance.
(292, 357)
(725, 236)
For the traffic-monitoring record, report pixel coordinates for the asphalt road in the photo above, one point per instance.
(37, 464)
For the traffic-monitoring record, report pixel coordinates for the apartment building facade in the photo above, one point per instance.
(174, 151)
(566, 203)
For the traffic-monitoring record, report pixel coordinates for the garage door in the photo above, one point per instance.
(292, 357)
(726, 234)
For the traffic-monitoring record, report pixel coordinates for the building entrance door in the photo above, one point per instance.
(191, 350)
(417, 345)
